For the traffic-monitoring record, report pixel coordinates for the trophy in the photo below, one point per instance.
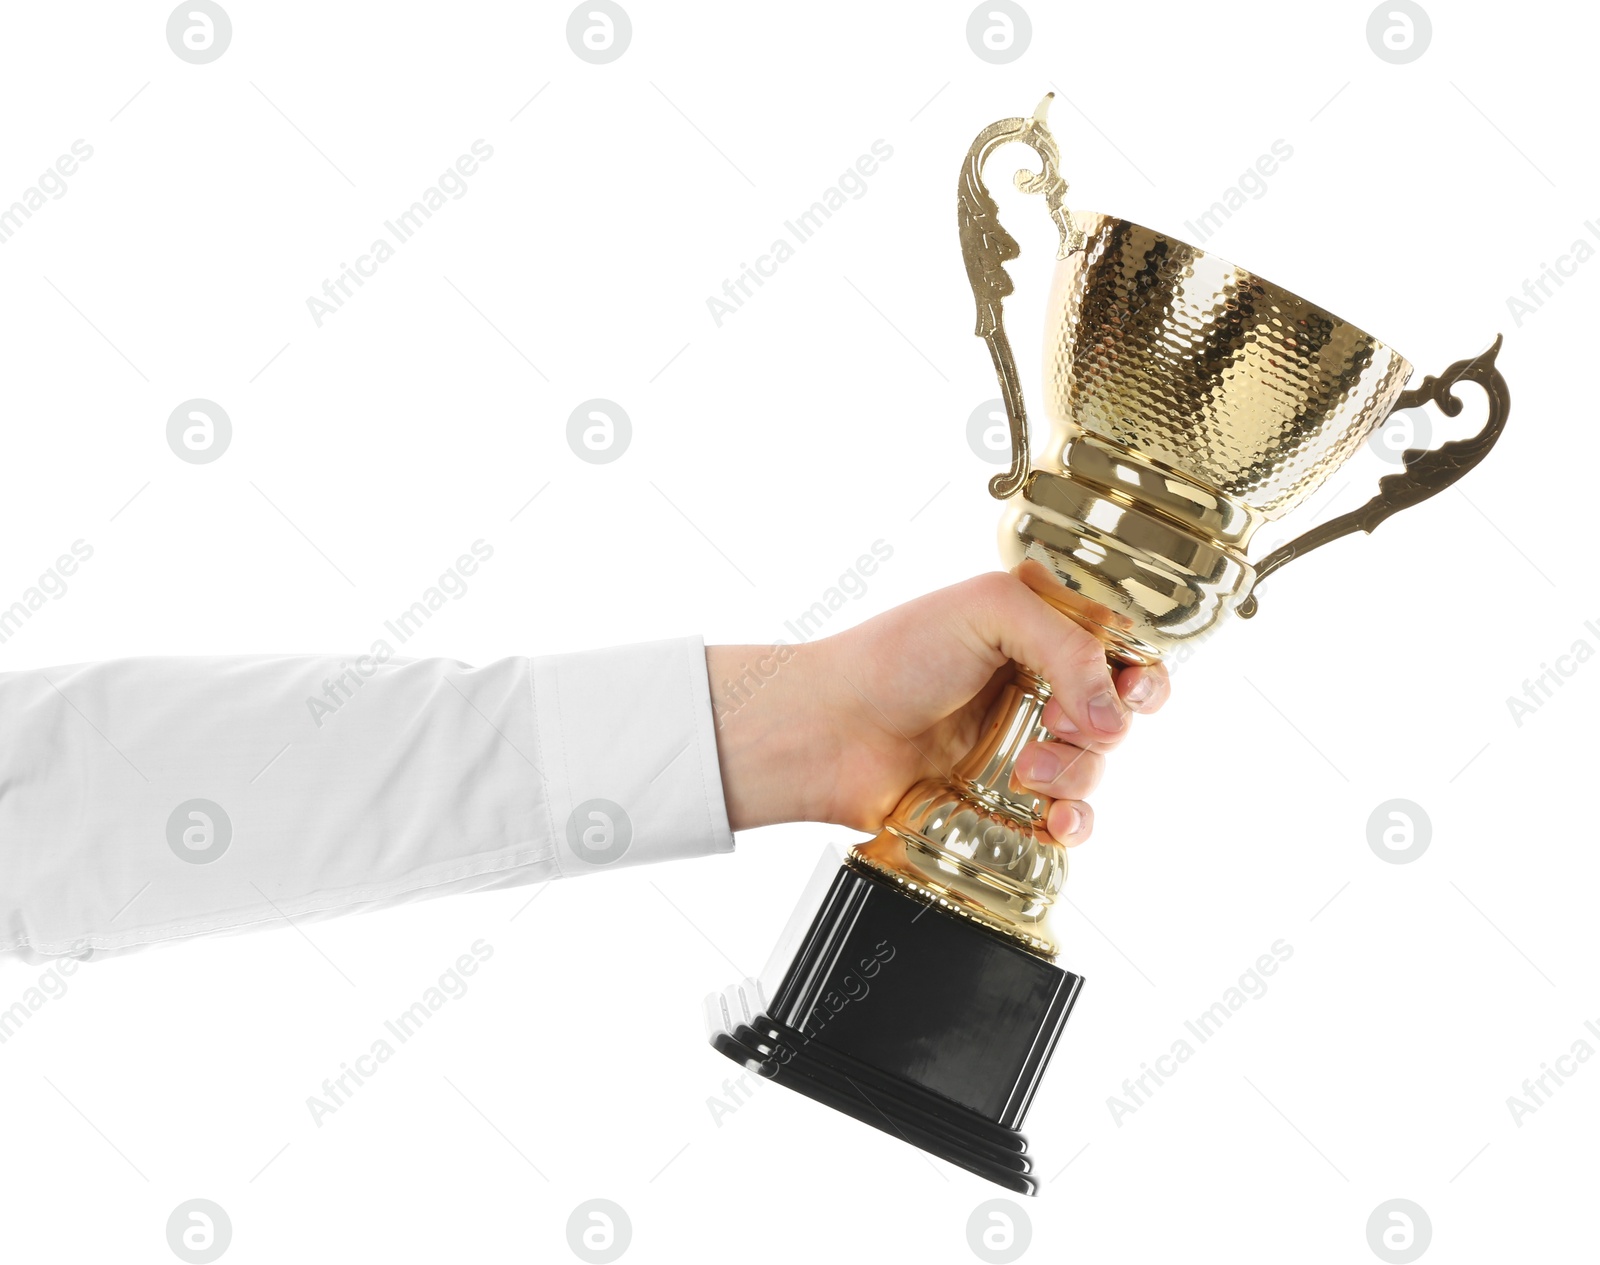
(1191, 401)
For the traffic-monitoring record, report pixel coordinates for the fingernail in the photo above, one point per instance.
(1039, 766)
(1140, 691)
(1105, 713)
(1074, 819)
(1061, 722)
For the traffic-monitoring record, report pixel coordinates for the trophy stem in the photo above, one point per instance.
(974, 843)
(985, 772)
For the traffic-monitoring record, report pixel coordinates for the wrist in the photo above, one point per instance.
(774, 742)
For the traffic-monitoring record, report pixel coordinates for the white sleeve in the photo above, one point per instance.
(144, 800)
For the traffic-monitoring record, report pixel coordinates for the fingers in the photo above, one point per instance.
(1091, 703)
(1059, 771)
(1065, 774)
(1085, 706)
(1070, 822)
(1144, 689)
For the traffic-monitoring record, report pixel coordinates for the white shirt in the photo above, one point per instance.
(144, 800)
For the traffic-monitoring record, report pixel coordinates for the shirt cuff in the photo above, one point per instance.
(628, 753)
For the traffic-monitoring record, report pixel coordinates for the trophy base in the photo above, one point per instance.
(910, 1019)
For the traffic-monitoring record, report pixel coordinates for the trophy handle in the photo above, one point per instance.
(986, 247)
(1427, 472)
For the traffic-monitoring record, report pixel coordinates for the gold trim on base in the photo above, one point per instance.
(914, 889)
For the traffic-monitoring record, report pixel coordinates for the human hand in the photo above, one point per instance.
(837, 730)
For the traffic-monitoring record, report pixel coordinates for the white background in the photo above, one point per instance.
(766, 456)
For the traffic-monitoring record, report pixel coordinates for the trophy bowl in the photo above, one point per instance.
(1190, 401)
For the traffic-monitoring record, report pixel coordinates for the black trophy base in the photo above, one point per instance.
(911, 1019)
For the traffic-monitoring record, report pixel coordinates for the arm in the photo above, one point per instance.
(145, 800)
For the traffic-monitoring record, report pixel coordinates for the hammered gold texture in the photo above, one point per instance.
(1169, 351)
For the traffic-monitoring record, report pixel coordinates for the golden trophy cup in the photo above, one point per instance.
(1190, 402)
